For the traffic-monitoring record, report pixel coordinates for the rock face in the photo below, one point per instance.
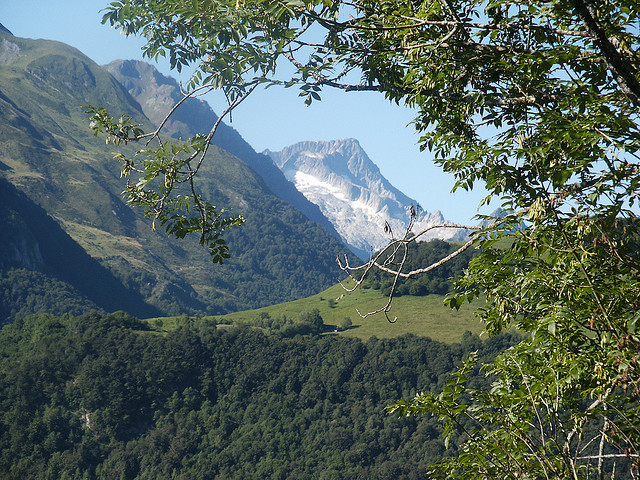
(339, 177)
(9, 51)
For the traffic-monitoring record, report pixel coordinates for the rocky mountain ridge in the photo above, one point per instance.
(350, 190)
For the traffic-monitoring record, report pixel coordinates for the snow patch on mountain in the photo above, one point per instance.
(352, 193)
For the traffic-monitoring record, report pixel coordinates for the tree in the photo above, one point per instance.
(538, 103)
(345, 324)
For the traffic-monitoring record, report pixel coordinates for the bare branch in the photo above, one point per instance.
(497, 26)
(355, 24)
(430, 267)
(396, 245)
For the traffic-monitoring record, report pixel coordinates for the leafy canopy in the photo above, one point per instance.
(537, 102)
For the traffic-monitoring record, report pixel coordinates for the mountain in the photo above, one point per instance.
(158, 93)
(341, 179)
(50, 155)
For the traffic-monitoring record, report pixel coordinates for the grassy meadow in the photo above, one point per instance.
(424, 316)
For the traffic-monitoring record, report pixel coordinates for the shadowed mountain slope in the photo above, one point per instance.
(36, 254)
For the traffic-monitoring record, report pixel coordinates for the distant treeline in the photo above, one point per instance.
(103, 397)
(420, 255)
(306, 323)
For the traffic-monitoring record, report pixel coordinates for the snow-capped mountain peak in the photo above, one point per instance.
(341, 179)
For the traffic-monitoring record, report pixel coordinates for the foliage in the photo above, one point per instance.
(345, 324)
(538, 103)
(306, 323)
(24, 292)
(101, 397)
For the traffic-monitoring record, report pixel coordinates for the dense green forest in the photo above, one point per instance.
(106, 396)
(23, 292)
(437, 281)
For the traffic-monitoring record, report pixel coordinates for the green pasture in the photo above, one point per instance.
(424, 316)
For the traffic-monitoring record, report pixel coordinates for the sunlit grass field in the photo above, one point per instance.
(424, 316)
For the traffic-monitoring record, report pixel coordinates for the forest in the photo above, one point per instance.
(105, 396)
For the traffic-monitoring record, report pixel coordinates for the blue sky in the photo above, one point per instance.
(270, 119)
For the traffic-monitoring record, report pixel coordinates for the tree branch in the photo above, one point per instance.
(620, 68)
(355, 24)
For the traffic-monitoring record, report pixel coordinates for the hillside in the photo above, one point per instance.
(48, 152)
(100, 397)
(418, 315)
(158, 93)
